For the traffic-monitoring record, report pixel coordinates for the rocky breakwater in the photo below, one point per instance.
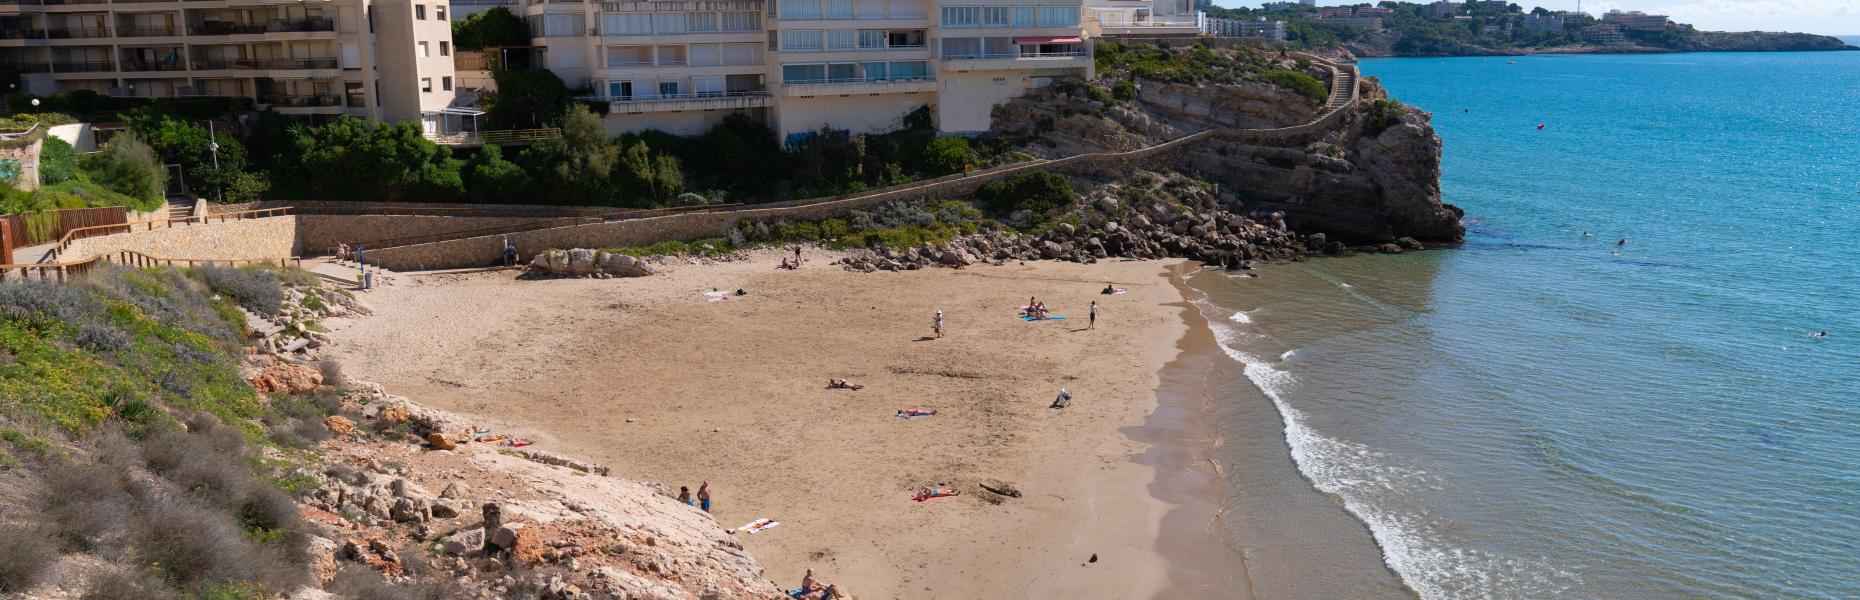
(1149, 217)
(582, 262)
(1372, 178)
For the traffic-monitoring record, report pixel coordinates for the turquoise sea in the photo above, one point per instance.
(1547, 414)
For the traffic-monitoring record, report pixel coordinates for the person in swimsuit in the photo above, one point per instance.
(704, 496)
(684, 495)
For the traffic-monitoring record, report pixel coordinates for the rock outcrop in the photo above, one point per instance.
(582, 262)
(1372, 179)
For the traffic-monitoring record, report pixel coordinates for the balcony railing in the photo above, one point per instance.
(670, 97)
(265, 63)
(82, 66)
(832, 81)
(160, 65)
(68, 2)
(148, 31)
(312, 24)
(225, 28)
(501, 137)
(19, 67)
(22, 34)
(77, 33)
(298, 101)
(991, 56)
(139, 1)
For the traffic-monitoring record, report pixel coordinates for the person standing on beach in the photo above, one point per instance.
(797, 256)
(937, 325)
(704, 496)
(1093, 324)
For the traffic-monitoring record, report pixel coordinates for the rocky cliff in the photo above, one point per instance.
(1373, 178)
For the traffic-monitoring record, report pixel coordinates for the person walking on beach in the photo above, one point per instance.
(937, 325)
(797, 256)
(1093, 324)
(704, 496)
(684, 495)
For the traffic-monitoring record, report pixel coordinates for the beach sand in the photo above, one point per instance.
(651, 378)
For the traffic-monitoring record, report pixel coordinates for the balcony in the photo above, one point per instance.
(1015, 61)
(682, 102)
(148, 31)
(22, 34)
(77, 33)
(140, 1)
(225, 28)
(82, 66)
(857, 85)
(73, 2)
(19, 67)
(300, 25)
(300, 101)
(264, 63)
(138, 66)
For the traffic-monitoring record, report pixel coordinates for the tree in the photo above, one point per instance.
(129, 167)
(181, 142)
(354, 159)
(58, 161)
(526, 100)
(490, 178)
(576, 167)
(1039, 191)
(490, 29)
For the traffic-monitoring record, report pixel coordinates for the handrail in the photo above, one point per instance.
(61, 272)
(626, 215)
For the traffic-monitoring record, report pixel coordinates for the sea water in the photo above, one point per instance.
(1611, 390)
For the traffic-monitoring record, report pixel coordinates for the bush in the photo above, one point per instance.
(25, 556)
(1383, 114)
(58, 161)
(258, 290)
(1297, 82)
(128, 167)
(947, 155)
(1039, 191)
(118, 584)
(1124, 90)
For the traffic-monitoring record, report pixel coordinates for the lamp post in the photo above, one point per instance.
(213, 146)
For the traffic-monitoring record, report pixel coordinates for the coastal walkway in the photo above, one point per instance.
(482, 246)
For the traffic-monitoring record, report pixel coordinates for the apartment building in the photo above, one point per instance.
(1272, 31)
(1143, 18)
(681, 66)
(1636, 20)
(380, 59)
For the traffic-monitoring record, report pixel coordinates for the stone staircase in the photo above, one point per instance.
(180, 210)
(1342, 89)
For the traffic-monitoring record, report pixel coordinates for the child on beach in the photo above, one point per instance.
(684, 495)
(937, 325)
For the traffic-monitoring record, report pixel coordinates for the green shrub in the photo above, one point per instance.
(831, 229)
(1383, 114)
(256, 289)
(1298, 82)
(1039, 191)
(1124, 90)
(128, 167)
(58, 161)
(947, 155)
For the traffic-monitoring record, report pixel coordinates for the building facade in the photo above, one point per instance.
(1259, 28)
(1636, 20)
(1443, 8)
(380, 59)
(1604, 33)
(1545, 23)
(682, 66)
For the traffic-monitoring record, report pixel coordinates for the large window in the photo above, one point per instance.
(1025, 16)
(668, 23)
(962, 16)
(556, 25)
(801, 40)
(841, 39)
(741, 21)
(628, 23)
(742, 54)
(629, 56)
(871, 39)
(995, 16)
(1059, 16)
(910, 69)
(800, 73)
(800, 9)
(839, 9)
(706, 55)
(700, 21)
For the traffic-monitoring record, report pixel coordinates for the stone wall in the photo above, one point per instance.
(271, 237)
(318, 234)
(25, 160)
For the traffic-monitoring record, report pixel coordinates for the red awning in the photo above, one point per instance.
(1046, 39)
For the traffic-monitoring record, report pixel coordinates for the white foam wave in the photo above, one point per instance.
(1240, 317)
(1371, 482)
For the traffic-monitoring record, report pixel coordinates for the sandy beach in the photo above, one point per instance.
(652, 378)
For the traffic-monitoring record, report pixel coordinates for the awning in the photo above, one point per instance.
(1047, 39)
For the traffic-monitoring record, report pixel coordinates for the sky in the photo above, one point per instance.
(1829, 17)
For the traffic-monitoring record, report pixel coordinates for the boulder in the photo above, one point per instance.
(339, 425)
(462, 543)
(439, 441)
(286, 379)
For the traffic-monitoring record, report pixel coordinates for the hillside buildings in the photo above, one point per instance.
(1258, 28)
(1603, 33)
(1636, 20)
(1544, 23)
(379, 59)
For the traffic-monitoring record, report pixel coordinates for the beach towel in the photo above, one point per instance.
(1048, 318)
(759, 525)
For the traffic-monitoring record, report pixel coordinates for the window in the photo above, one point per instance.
(740, 21)
(668, 89)
(871, 39)
(708, 87)
(869, 9)
(906, 39)
(1024, 16)
(962, 16)
(961, 47)
(700, 21)
(995, 16)
(800, 9)
(873, 70)
(629, 56)
(801, 40)
(353, 90)
(445, 84)
(841, 39)
(671, 56)
(839, 9)
(426, 84)
(445, 48)
(914, 69)
(556, 25)
(439, 12)
(664, 23)
(741, 54)
(419, 11)
(842, 71)
(628, 23)
(1059, 16)
(802, 73)
(424, 51)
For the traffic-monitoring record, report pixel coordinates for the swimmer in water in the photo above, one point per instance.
(1587, 234)
(1820, 336)
(1623, 242)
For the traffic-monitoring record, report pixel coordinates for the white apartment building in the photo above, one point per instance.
(379, 59)
(681, 66)
(1144, 18)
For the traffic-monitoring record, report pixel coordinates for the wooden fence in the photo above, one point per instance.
(31, 229)
(62, 272)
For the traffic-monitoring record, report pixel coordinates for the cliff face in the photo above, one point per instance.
(1352, 184)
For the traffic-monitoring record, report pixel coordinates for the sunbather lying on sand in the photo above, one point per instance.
(841, 384)
(915, 412)
(934, 492)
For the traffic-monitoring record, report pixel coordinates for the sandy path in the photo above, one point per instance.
(734, 392)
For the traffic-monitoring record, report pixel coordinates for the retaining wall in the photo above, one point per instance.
(318, 234)
(247, 239)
